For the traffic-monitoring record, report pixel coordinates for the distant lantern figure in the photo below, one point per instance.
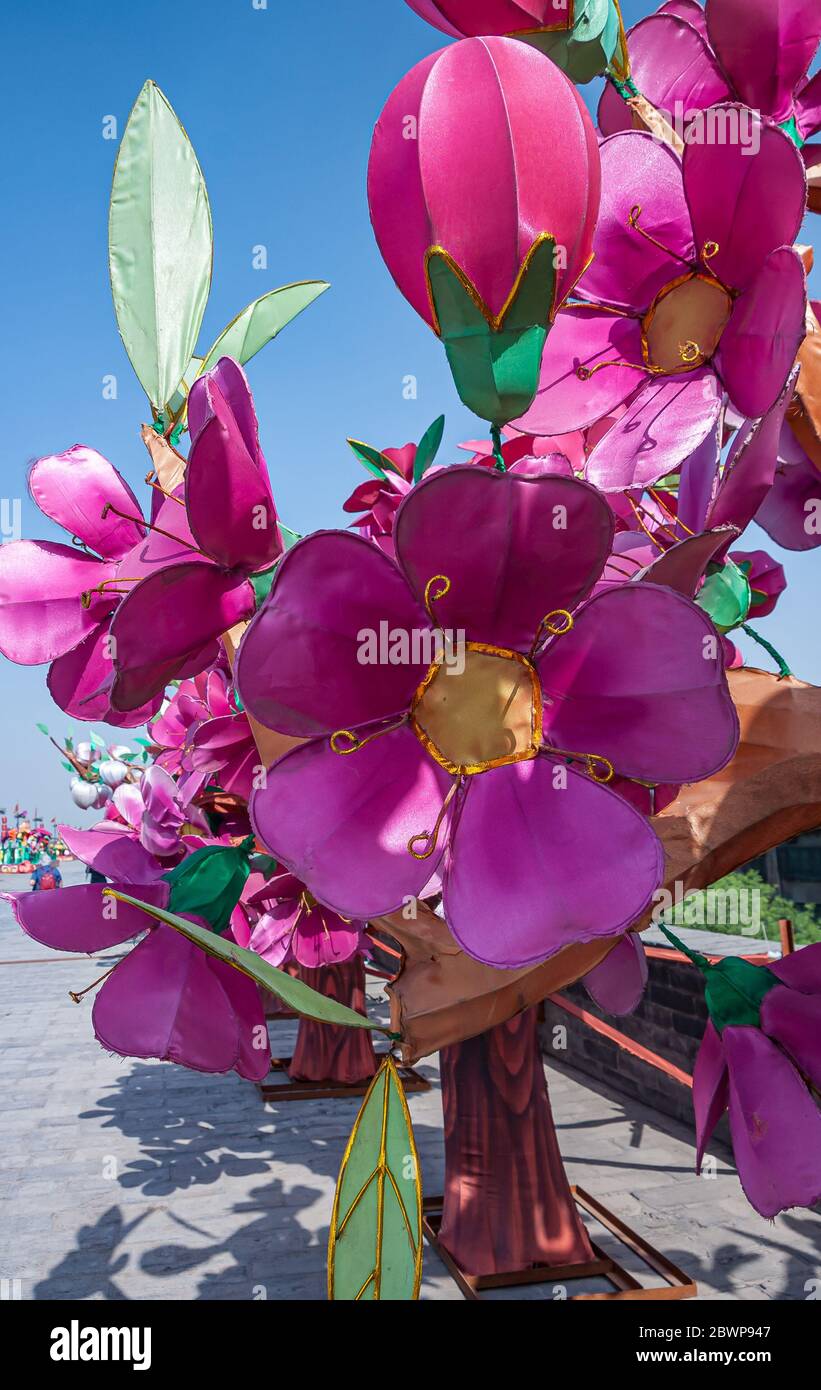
(483, 185)
(580, 36)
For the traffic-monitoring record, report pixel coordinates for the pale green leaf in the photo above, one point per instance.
(159, 245)
(298, 996)
(375, 1243)
(261, 320)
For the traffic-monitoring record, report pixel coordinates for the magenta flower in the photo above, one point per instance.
(157, 809)
(56, 600)
(294, 926)
(618, 982)
(790, 512)
(222, 750)
(759, 52)
(695, 290)
(480, 109)
(378, 499)
(187, 707)
(761, 1059)
(495, 767)
(765, 576)
(169, 624)
(165, 998)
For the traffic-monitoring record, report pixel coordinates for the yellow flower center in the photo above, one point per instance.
(684, 324)
(480, 713)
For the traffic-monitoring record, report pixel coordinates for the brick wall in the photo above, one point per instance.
(669, 1021)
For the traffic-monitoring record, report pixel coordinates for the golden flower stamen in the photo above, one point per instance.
(431, 597)
(152, 480)
(355, 742)
(599, 768)
(633, 221)
(78, 995)
(430, 837)
(546, 626)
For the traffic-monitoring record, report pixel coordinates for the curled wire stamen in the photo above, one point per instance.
(709, 250)
(106, 587)
(689, 351)
(431, 597)
(78, 995)
(430, 837)
(584, 373)
(153, 481)
(633, 221)
(149, 526)
(355, 742)
(599, 768)
(554, 629)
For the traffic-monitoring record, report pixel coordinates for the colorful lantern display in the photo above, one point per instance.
(484, 222)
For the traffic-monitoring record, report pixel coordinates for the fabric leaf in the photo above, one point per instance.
(375, 1244)
(428, 448)
(261, 320)
(298, 996)
(159, 245)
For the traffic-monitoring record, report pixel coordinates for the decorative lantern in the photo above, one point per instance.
(483, 186)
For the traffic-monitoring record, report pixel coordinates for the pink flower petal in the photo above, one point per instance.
(523, 546)
(527, 835)
(636, 681)
(342, 823)
(302, 667)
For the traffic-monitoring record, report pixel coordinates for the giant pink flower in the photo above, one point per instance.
(294, 926)
(759, 52)
(695, 290)
(476, 175)
(168, 625)
(56, 600)
(408, 766)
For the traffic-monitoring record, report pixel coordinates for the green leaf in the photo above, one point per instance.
(495, 364)
(67, 767)
(428, 448)
(375, 1244)
(96, 741)
(298, 996)
(262, 583)
(373, 459)
(289, 537)
(43, 729)
(261, 320)
(725, 596)
(159, 245)
(177, 402)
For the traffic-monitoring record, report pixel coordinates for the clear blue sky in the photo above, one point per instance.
(279, 104)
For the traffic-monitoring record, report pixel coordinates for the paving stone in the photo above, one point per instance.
(216, 1196)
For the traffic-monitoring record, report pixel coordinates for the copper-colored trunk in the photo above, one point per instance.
(507, 1203)
(326, 1051)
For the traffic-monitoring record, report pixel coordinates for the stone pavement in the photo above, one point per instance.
(131, 1180)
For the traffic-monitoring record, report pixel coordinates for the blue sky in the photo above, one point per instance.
(280, 104)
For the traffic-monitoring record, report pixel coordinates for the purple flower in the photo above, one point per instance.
(294, 926)
(489, 755)
(165, 997)
(56, 600)
(169, 624)
(695, 290)
(761, 1059)
(759, 52)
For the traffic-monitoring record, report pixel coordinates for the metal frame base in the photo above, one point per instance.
(329, 1090)
(625, 1286)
